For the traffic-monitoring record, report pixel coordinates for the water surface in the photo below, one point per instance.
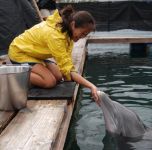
(127, 80)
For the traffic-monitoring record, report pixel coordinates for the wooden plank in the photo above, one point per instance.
(34, 127)
(121, 36)
(5, 118)
(79, 54)
(120, 40)
(37, 10)
(62, 91)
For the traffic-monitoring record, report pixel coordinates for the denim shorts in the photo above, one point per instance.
(31, 63)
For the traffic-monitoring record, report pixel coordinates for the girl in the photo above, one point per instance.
(53, 38)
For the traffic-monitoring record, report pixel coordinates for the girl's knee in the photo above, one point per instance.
(55, 71)
(58, 77)
(50, 84)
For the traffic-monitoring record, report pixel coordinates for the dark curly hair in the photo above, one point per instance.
(81, 18)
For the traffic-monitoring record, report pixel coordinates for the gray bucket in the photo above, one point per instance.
(14, 82)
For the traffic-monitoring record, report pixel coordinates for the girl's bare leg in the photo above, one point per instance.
(41, 76)
(54, 70)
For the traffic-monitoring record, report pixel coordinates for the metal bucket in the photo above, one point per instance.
(14, 82)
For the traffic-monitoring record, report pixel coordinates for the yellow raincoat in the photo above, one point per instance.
(44, 40)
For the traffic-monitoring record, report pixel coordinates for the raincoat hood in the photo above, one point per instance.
(54, 19)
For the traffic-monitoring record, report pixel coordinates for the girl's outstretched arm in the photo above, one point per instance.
(81, 80)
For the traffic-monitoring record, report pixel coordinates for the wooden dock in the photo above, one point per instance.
(121, 37)
(43, 125)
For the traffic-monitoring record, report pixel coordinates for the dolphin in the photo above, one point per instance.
(124, 125)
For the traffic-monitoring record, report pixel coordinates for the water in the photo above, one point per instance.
(127, 81)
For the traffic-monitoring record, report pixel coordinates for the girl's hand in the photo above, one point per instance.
(94, 93)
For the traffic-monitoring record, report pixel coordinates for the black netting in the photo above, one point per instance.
(118, 15)
(15, 17)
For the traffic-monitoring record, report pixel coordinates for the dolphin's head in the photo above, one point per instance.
(119, 119)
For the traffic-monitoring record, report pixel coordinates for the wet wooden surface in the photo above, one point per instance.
(34, 127)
